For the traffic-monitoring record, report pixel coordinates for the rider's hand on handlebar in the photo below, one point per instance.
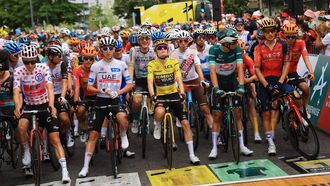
(311, 77)
(218, 92)
(62, 100)
(205, 84)
(17, 113)
(113, 94)
(240, 90)
(154, 98)
(53, 111)
(183, 96)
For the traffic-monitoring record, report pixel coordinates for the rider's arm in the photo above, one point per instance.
(76, 85)
(150, 78)
(240, 69)
(91, 81)
(128, 80)
(131, 63)
(198, 66)
(64, 73)
(50, 89)
(213, 67)
(286, 65)
(178, 77)
(257, 64)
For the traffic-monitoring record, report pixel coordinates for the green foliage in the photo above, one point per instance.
(236, 7)
(16, 13)
(99, 17)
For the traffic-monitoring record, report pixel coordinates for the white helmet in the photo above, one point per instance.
(183, 34)
(143, 32)
(105, 31)
(107, 41)
(66, 49)
(29, 52)
(115, 28)
(65, 31)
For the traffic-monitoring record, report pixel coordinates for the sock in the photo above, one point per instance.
(215, 140)
(241, 139)
(156, 123)
(68, 133)
(191, 148)
(76, 124)
(26, 147)
(269, 137)
(123, 133)
(44, 147)
(256, 134)
(254, 121)
(62, 161)
(210, 125)
(88, 157)
(104, 131)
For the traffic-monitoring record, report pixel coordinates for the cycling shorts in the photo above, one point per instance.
(177, 107)
(197, 92)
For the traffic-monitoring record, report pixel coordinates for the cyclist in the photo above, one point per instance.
(224, 59)
(297, 48)
(164, 73)
(35, 81)
(249, 80)
(119, 55)
(126, 44)
(272, 64)
(107, 74)
(6, 85)
(139, 59)
(64, 34)
(81, 74)
(74, 44)
(243, 35)
(59, 73)
(14, 58)
(211, 35)
(192, 73)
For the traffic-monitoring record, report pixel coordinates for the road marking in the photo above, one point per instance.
(123, 179)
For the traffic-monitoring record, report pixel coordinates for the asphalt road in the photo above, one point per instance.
(155, 159)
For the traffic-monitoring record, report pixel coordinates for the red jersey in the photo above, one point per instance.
(296, 50)
(81, 79)
(248, 64)
(271, 61)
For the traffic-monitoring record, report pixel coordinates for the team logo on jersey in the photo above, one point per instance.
(115, 69)
(38, 77)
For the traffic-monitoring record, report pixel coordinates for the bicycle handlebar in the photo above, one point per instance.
(107, 106)
(142, 92)
(34, 112)
(169, 101)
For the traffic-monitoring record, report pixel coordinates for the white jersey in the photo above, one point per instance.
(326, 43)
(108, 75)
(140, 61)
(187, 60)
(245, 36)
(204, 58)
(58, 73)
(124, 58)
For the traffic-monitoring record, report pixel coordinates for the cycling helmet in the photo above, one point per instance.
(13, 47)
(230, 26)
(89, 51)
(115, 28)
(66, 49)
(53, 41)
(41, 37)
(119, 44)
(124, 34)
(105, 31)
(159, 42)
(241, 44)
(186, 27)
(133, 39)
(144, 32)
(227, 36)
(183, 35)
(73, 41)
(291, 28)
(36, 44)
(210, 31)
(25, 40)
(4, 60)
(54, 50)
(146, 24)
(157, 35)
(107, 41)
(73, 34)
(65, 31)
(198, 32)
(238, 20)
(29, 52)
(268, 23)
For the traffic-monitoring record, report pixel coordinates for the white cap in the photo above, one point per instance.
(256, 13)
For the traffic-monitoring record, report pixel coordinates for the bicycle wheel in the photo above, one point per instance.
(36, 157)
(224, 134)
(169, 141)
(204, 127)
(113, 154)
(234, 135)
(13, 149)
(194, 124)
(143, 126)
(305, 139)
(245, 118)
(3, 144)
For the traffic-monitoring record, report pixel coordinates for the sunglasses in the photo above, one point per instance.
(267, 31)
(200, 37)
(185, 40)
(144, 38)
(16, 55)
(74, 45)
(30, 62)
(162, 47)
(291, 36)
(107, 48)
(239, 25)
(89, 58)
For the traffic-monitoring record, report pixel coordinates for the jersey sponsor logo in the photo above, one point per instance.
(115, 69)
(164, 79)
(108, 76)
(39, 77)
(90, 80)
(127, 78)
(50, 78)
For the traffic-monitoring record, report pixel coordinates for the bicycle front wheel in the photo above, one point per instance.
(169, 141)
(234, 136)
(144, 131)
(113, 154)
(36, 157)
(194, 125)
(13, 149)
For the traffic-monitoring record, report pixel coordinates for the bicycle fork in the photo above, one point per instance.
(165, 128)
(35, 129)
(144, 105)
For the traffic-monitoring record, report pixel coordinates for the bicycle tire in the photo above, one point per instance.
(245, 118)
(169, 142)
(2, 144)
(181, 134)
(36, 157)
(13, 151)
(224, 134)
(113, 154)
(306, 139)
(143, 126)
(52, 155)
(204, 127)
(234, 137)
(194, 124)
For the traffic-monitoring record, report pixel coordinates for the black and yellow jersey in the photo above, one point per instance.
(164, 75)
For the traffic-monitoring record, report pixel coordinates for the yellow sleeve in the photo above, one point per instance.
(150, 69)
(177, 71)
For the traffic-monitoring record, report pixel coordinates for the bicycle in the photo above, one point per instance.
(8, 143)
(168, 131)
(144, 121)
(113, 140)
(35, 143)
(230, 128)
(298, 127)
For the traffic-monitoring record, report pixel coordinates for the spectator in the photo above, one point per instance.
(324, 44)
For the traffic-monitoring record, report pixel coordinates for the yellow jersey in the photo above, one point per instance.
(164, 75)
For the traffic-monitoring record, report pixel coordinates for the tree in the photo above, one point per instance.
(236, 7)
(99, 17)
(16, 13)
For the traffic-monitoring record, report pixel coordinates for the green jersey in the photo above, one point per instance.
(225, 62)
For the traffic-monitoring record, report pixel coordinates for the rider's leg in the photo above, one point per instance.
(136, 107)
(207, 114)
(216, 126)
(275, 114)
(306, 92)
(158, 117)
(237, 115)
(104, 127)
(123, 123)
(23, 125)
(66, 124)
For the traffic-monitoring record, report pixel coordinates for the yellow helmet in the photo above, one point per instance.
(124, 34)
(241, 44)
(89, 51)
(73, 41)
(268, 22)
(290, 28)
(159, 42)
